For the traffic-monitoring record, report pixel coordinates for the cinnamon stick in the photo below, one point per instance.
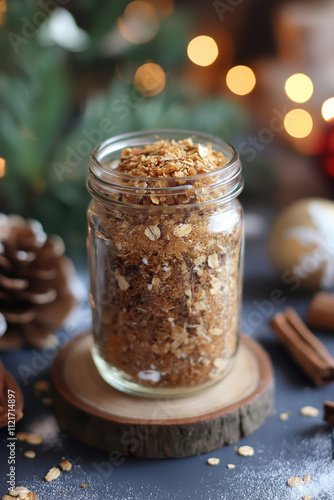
(329, 412)
(309, 353)
(321, 311)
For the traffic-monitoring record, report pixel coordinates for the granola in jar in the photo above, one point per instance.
(165, 252)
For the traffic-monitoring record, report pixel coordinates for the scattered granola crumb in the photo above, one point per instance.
(42, 386)
(284, 416)
(34, 439)
(18, 491)
(230, 466)
(246, 451)
(213, 461)
(294, 481)
(307, 497)
(309, 411)
(84, 485)
(53, 474)
(22, 436)
(29, 454)
(29, 438)
(307, 478)
(170, 159)
(65, 465)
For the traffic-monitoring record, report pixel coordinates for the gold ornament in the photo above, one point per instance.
(301, 244)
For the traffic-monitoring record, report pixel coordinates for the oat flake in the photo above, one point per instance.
(53, 474)
(246, 451)
(294, 481)
(153, 233)
(65, 465)
(309, 411)
(34, 439)
(182, 230)
(16, 492)
(213, 461)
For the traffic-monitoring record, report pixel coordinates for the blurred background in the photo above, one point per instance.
(258, 73)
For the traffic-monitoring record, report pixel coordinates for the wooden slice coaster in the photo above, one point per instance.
(98, 415)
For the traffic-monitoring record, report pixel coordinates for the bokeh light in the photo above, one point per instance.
(329, 165)
(163, 7)
(3, 10)
(126, 70)
(150, 79)
(2, 167)
(298, 123)
(241, 80)
(140, 22)
(202, 50)
(61, 29)
(299, 87)
(313, 144)
(327, 109)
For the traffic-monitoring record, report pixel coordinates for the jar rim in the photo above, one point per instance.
(158, 132)
(228, 175)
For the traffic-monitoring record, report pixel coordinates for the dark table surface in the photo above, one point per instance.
(298, 446)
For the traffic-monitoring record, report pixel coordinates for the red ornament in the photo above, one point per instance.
(326, 157)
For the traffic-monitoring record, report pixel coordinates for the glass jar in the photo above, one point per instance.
(165, 260)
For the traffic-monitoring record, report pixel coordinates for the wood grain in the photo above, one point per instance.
(97, 414)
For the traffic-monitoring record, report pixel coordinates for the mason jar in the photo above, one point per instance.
(165, 259)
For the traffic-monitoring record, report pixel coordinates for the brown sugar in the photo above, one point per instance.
(166, 283)
(170, 159)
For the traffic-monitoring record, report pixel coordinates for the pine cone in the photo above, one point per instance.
(35, 294)
(9, 405)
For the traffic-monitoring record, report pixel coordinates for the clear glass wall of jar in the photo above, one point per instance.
(165, 260)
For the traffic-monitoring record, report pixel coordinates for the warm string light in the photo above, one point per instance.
(2, 167)
(202, 50)
(313, 144)
(298, 123)
(3, 10)
(299, 87)
(327, 109)
(163, 7)
(150, 79)
(140, 22)
(241, 80)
